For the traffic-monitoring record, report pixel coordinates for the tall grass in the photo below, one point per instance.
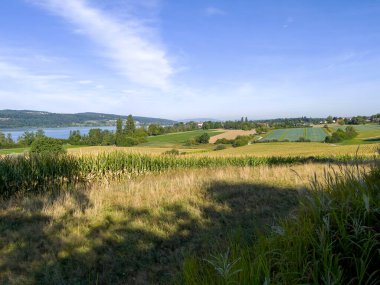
(35, 173)
(333, 239)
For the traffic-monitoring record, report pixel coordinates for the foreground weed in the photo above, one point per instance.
(224, 267)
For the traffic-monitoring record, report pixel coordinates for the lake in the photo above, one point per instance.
(58, 133)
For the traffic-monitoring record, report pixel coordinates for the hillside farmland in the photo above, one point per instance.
(312, 134)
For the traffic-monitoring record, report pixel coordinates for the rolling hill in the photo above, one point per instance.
(39, 119)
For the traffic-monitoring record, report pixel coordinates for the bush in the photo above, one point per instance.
(203, 139)
(220, 147)
(224, 141)
(241, 141)
(302, 139)
(341, 135)
(172, 152)
(350, 132)
(190, 142)
(127, 141)
(47, 146)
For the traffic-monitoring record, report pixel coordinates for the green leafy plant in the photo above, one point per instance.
(47, 146)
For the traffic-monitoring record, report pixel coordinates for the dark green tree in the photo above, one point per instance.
(75, 138)
(119, 127)
(108, 138)
(40, 133)
(154, 130)
(94, 137)
(27, 138)
(130, 126)
(203, 139)
(47, 146)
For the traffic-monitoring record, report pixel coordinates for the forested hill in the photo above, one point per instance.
(39, 119)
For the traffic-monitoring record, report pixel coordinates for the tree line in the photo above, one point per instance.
(127, 134)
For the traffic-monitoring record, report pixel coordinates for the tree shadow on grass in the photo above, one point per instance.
(372, 140)
(131, 245)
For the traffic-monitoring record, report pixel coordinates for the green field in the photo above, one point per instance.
(25, 149)
(367, 134)
(177, 138)
(313, 134)
(13, 150)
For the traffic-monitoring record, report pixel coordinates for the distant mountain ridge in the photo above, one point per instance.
(199, 120)
(41, 119)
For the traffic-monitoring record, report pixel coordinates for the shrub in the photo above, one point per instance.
(220, 147)
(350, 132)
(241, 141)
(127, 141)
(47, 146)
(341, 135)
(190, 142)
(224, 141)
(203, 138)
(172, 152)
(302, 139)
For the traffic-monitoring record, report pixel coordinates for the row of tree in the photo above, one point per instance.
(128, 135)
(125, 135)
(356, 120)
(25, 140)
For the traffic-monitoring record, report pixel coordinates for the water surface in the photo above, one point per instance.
(58, 133)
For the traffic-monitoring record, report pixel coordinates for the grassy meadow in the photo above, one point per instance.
(174, 139)
(368, 134)
(13, 150)
(265, 213)
(140, 231)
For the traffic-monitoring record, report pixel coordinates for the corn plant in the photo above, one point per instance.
(36, 173)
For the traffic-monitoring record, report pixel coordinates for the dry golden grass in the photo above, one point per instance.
(231, 134)
(138, 231)
(296, 149)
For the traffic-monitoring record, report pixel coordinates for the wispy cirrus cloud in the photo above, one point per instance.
(12, 71)
(126, 43)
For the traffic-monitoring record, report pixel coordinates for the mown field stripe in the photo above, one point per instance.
(283, 135)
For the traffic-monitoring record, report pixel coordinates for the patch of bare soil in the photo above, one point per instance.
(231, 134)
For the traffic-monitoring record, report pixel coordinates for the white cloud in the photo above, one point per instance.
(85, 82)
(10, 70)
(213, 11)
(125, 43)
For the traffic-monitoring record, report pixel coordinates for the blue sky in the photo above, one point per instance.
(182, 59)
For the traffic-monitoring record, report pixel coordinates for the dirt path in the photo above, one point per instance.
(231, 134)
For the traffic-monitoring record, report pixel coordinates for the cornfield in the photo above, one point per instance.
(34, 173)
